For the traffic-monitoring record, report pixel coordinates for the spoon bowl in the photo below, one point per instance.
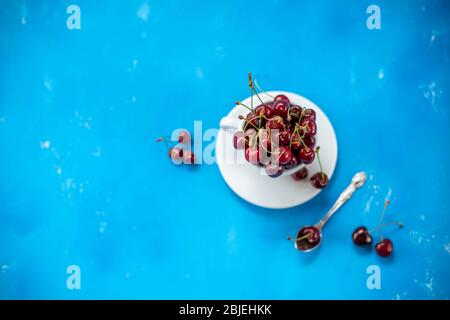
(306, 243)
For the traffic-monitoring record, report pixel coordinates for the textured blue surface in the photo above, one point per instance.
(83, 182)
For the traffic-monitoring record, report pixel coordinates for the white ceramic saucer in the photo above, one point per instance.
(246, 179)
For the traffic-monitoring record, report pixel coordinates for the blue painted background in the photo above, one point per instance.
(83, 182)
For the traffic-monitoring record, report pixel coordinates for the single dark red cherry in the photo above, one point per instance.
(280, 108)
(176, 154)
(264, 110)
(306, 155)
(319, 180)
(188, 157)
(361, 236)
(296, 142)
(253, 121)
(309, 114)
(284, 138)
(294, 113)
(275, 123)
(307, 238)
(239, 140)
(292, 164)
(300, 174)
(284, 155)
(384, 248)
(184, 137)
(281, 97)
(309, 127)
(252, 155)
(274, 171)
(310, 141)
(250, 137)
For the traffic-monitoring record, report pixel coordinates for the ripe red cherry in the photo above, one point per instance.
(294, 113)
(284, 155)
(252, 155)
(273, 171)
(361, 236)
(276, 122)
(184, 137)
(188, 157)
(176, 154)
(306, 155)
(280, 108)
(281, 138)
(309, 114)
(307, 238)
(292, 164)
(264, 110)
(300, 174)
(239, 140)
(309, 127)
(253, 121)
(264, 140)
(319, 180)
(384, 248)
(295, 142)
(281, 97)
(310, 141)
(250, 137)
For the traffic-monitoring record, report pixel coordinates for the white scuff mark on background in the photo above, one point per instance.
(102, 226)
(432, 93)
(46, 144)
(220, 52)
(84, 122)
(48, 84)
(133, 99)
(127, 275)
(134, 64)
(97, 152)
(368, 205)
(422, 217)
(199, 73)
(58, 170)
(447, 247)
(5, 268)
(429, 283)
(381, 74)
(143, 11)
(433, 36)
(231, 236)
(417, 237)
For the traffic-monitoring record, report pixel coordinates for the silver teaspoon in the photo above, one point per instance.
(309, 237)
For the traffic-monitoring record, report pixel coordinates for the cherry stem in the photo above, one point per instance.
(259, 88)
(250, 84)
(386, 204)
(163, 140)
(241, 104)
(387, 224)
(306, 236)
(320, 162)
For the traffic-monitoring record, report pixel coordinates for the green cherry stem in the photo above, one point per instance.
(387, 202)
(259, 88)
(387, 224)
(320, 162)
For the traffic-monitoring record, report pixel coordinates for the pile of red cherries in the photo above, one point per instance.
(278, 136)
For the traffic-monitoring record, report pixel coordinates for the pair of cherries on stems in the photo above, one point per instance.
(319, 180)
(363, 237)
(182, 152)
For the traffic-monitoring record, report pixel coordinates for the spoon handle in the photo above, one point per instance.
(357, 182)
